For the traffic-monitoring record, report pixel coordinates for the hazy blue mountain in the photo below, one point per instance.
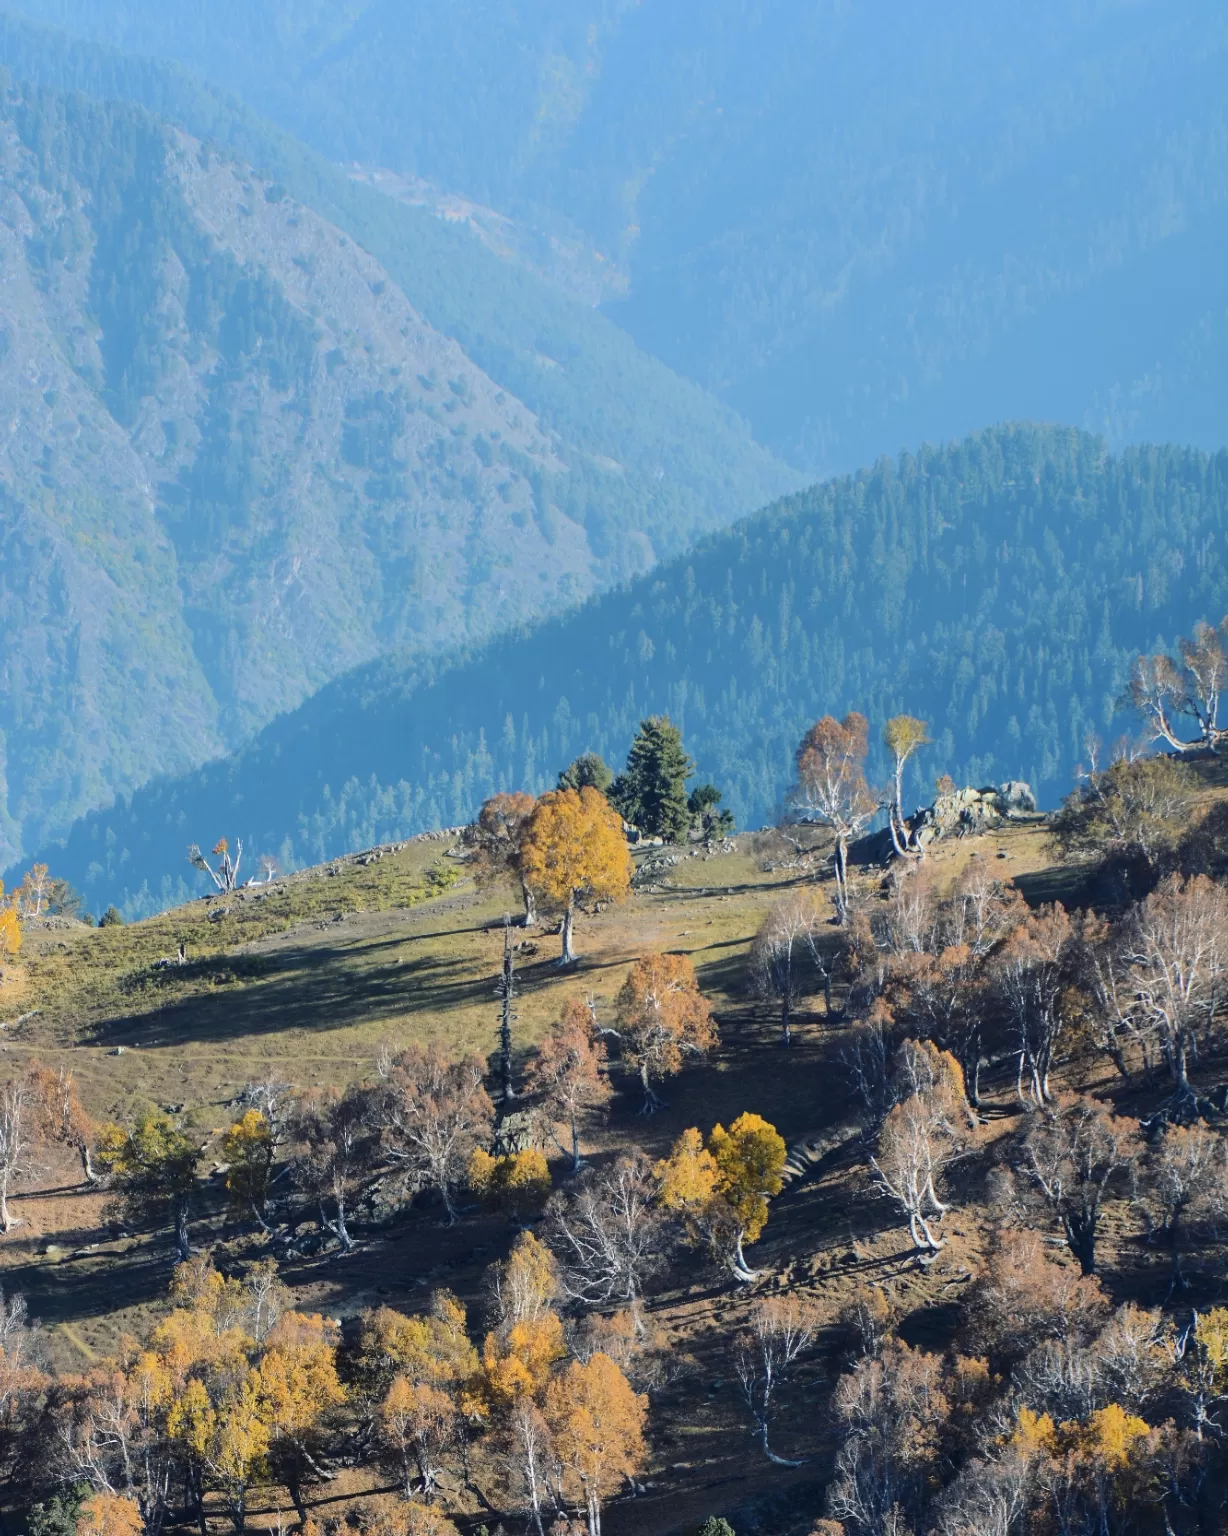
(999, 588)
(248, 459)
(862, 228)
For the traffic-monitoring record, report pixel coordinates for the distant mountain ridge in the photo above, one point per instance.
(861, 227)
(241, 461)
(998, 587)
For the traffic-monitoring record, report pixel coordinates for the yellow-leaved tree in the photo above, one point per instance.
(109, 1514)
(903, 735)
(247, 1149)
(425, 1376)
(298, 1388)
(722, 1189)
(596, 1421)
(10, 925)
(574, 850)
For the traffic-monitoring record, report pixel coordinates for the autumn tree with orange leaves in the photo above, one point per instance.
(574, 850)
(662, 1019)
(597, 1423)
(568, 1072)
(497, 838)
(62, 1117)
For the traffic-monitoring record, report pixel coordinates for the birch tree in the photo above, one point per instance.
(831, 788)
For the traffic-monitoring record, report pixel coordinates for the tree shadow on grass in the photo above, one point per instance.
(313, 988)
(78, 1289)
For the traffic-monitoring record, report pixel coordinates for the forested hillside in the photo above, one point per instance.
(863, 233)
(247, 461)
(999, 588)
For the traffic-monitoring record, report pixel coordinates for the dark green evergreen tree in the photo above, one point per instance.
(706, 819)
(651, 793)
(589, 771)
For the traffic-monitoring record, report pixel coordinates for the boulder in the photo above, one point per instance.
(964, 812)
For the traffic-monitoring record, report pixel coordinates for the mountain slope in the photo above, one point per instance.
(999, 588)
(663, 458)
(861, 229)
(241, 462)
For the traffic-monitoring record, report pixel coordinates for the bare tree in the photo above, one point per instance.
(1031, 974)
(990, 1496)
(1164, 690)
(1188, 1169)
(608, 1234)
(918, 1138)
(785, 940)
(891, 1407)
(779, 1330)
(226, 875)
(1072, 1151)
(530, 1459)
(1176, 948)
(16, 1119)
(340, 1152)
(831, 788)
(433, 1114)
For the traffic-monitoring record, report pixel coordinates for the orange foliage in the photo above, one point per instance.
(663, 1018)
(574, 848)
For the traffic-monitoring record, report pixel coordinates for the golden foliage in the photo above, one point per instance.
(573, 847)
(409, 1518)
(518, 1183)
(751, 1158)
(722, 1189)
(518, 1361)
(434, 1348)
(109, 1514)
(598, 1425)
(248, 1149)
(527, 1284)
(297, 1376)
(10, 923)
(688, 1178)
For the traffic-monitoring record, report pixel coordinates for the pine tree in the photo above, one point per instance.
(651, 793)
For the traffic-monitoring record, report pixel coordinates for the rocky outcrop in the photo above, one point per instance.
(956, 813)
(964, 812)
